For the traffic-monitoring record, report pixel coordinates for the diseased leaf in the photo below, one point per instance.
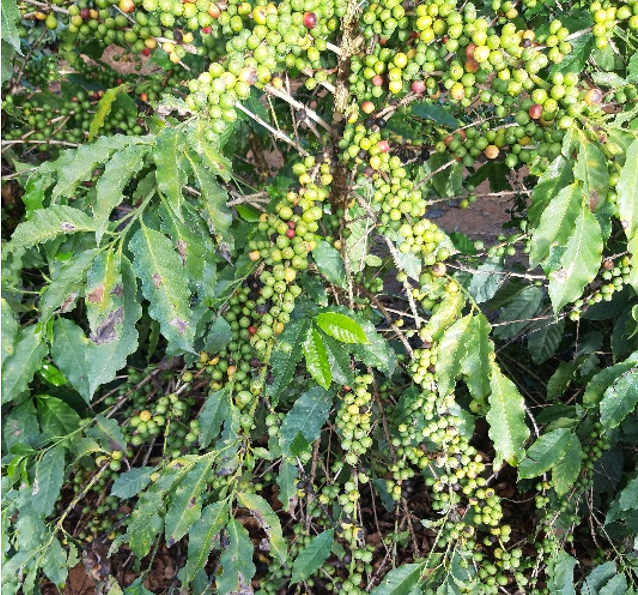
(116, 337)
(48, 480)
(399, 581)
(341, 327)
(9, 330)
(312, 556)
(186, 501)
(165, 285)
(103, 108)
(268, 521)
(77, 165)
(545, 453)
(19, 368)
(579, 263)
(620, 399)
(132, 482)
(110, 186)
(214, 199)
(201, 536)
(329, 263)
(236, 560)
(591, 169)
(447, 311)
(171, 173)
(317, 358)
(66, 284)
(566, 471)
(103, 294)
(47, 224)
(506, 418)
(306, 417)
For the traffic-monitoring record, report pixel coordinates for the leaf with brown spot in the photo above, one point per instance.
(67, 227)
(181, 249)
(117, 291)
(106, 332)
(96, 295)
(180, 325)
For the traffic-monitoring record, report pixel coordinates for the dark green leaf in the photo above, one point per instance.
(545, 453)
(49, 477)
(399, 581)
(559, 175)
(306, 417)
(506, 418)
(21, 426)
(68, 351)
(47, 224)
(620, 399)
(377, 352)
(311, 558)
(544, 338)
(19, 368)
(212, 415)
(486, 280)
(579, 263)
(286, 356)
(56, 417)
(132, 482)
(566, 471)
(561, 573)
(340, 361)
(330, 263)
(575, 61)
(341, 327)
(517, 315)
(201, 536)
(435, 112)
(236, 560)
(54, 563)
(316, 358)
(597, 385)
(164, 284)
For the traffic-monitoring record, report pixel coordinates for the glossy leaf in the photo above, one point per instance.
(316, 358)
(399, 581)
(546, 452)
(111, 184)
(186, 500)
(311, 558)
(48, 480)
(506, 419)
(132, 482)
(306, 417)
(376, 352)
(340, 361)
(598, 578)
(47, 224)
(620, 399)
(19, 368)
(579, 263)
(556, 223)
(600, 382)
(329, 263)
(341, 327)
(164, 284)
(56, 417)
(236, 560)
(201, 536)
(566, 471)
(475, 365)
(267, 520)
(453, 347)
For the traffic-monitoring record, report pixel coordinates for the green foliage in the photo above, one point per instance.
(232, 328)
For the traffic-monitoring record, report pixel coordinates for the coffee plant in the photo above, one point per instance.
(234, 336)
